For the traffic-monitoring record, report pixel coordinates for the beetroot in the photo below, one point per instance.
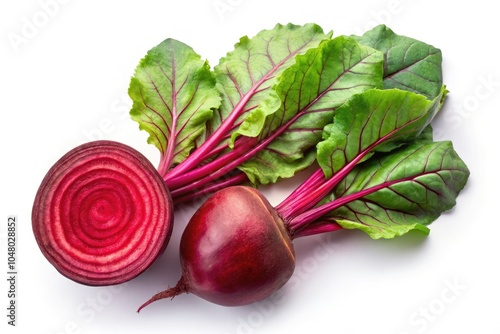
(102, 214)
(235, 250)
(278, 102)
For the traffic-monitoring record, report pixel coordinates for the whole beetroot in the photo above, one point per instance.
(234, 251)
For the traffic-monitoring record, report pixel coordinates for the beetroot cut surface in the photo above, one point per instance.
(102, 214)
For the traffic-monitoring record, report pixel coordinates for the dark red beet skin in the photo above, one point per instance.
(102, 214)
(235, 250)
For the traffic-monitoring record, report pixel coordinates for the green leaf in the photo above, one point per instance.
(310, 90)
(410, 64)
(400, 191)
(245, 75)
(173, 93)
(267, 167)
(375, 120)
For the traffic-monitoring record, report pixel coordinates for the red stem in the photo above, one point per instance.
(179, 196)
(314, 181)
(200, 154)
(317, 228)
(195, 178)
(308, 217)
(298, 206)
(167, 156)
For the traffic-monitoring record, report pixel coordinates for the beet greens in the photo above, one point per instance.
(258, 116)
(399, 187)
(380, 171)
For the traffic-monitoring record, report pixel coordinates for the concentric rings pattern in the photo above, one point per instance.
(102, 214)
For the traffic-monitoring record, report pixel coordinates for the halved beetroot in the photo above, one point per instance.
(102, 214)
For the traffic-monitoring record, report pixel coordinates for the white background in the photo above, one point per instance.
(65, 82)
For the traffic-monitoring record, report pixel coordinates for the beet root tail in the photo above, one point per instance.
(178, 289)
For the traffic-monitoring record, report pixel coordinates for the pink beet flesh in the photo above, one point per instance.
(235, 250)
(102, 214)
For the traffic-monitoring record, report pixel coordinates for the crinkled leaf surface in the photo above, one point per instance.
(400, 191)
(409, 64)
(375, 120)
(244, 76)
(310, 90)
(173, 93)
